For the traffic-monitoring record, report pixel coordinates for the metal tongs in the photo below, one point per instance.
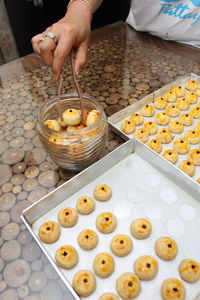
(78, 89)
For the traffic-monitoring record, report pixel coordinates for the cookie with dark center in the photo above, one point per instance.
(106, 222)
(173, 289)
(87, 239)
(104, 265)
(49, 232)
(67, 217)
(84, 283)
(128, 285)
(121, 245)
(66, 257)
(102, 192)
(146, 267)
(189, 270)
(140, 228)
(85, 205)
(166, 248)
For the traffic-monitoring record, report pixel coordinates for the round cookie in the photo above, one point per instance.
(128, 126)
(155, 145)
(106, 222)
(146, 267)
(151, 127)
(193, 136)
(175, 126)
(71, 116)
(187, 167)
(49, 232)
(137, 119)
(194, 156)
(173, 289)
(121, 245)
(189, 270)
(191, 85)
(160, 102)
(85, 205)
(84, 283)
(195, 112)
(102, 192)
(164, 135)
(141, 134)
(87, 239)
(147, 110)
(140, 228)
(170, 96)
(186, 119)
(171, 155)
(92, 117)
(183, 103)
(172, 110)
(182, 146)
(191, 97)
(66, 257)
(128, 285)
(52, 124)
(162, 118)
(108, 296)
(104, 265)
(67, 217)
(178, 90)
(166, 248)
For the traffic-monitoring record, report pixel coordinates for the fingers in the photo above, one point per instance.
(47, 48)
(64, 46)
(36, 42)
(81, 57)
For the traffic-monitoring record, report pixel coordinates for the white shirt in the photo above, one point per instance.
(177, 20)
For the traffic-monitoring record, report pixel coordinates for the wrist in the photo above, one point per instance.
(83, 6)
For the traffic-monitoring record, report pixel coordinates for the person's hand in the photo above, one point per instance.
(71, 32)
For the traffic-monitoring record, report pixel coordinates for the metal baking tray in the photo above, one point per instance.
(116, 120)
(143, 185)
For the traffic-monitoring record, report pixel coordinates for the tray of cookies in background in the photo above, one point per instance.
(168, 122)
(121, 229)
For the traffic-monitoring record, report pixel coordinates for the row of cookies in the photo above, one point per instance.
(66, 127)
(128, 285)
(71, 120)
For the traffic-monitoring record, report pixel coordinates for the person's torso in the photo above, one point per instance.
(177, 20)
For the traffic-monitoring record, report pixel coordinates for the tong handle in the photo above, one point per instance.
(78, 89)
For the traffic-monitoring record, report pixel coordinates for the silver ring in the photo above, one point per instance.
(41, 39)
(50, 35)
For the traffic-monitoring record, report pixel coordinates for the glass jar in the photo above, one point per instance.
(72, 150)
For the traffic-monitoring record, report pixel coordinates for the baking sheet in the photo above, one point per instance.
(139, 190)
(116, 120)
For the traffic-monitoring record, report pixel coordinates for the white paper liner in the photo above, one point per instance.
(139, 190)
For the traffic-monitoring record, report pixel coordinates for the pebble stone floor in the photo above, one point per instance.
(121, 70)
